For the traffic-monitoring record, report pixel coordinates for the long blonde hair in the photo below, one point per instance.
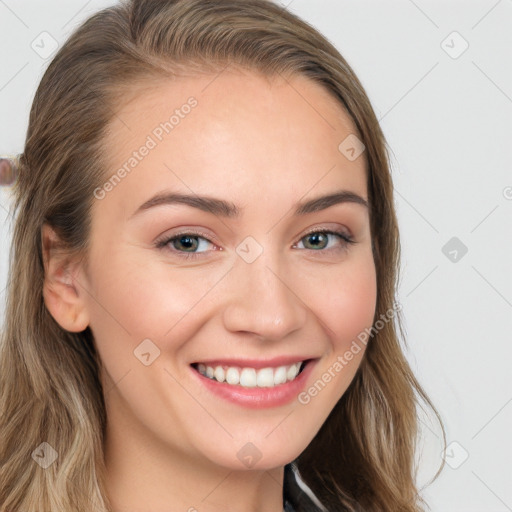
(362, 459)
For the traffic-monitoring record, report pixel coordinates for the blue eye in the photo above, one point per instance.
(186, 245)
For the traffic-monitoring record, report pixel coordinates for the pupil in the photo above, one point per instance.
(189, 240)
(316, 237)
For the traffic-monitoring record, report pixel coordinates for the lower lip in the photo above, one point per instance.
(258, 398)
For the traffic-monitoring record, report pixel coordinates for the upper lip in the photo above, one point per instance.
(255, 363)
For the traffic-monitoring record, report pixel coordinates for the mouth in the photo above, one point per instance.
(247, 376)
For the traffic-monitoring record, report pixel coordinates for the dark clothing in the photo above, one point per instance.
(295, 499)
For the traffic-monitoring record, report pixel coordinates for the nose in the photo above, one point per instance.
(263, 300)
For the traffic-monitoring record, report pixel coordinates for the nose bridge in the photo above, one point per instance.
(261, 299)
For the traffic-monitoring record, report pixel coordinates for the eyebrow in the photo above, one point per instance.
(228, 209)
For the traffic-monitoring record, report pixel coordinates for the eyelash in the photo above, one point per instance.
(162, 243)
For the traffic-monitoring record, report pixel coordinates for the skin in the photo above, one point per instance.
(264, 145)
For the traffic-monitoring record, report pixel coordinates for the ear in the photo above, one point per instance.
(62, 293)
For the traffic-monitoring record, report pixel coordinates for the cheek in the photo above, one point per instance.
(346, 308)
(346, 301)
(148, 300)
(132, 301)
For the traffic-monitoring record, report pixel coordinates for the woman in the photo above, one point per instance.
(201, 304)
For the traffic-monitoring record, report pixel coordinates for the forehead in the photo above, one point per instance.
(232, 131)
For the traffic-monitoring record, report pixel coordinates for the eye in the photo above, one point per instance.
(185, 244)
(318, 240)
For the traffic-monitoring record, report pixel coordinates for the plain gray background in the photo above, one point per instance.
(439, 77)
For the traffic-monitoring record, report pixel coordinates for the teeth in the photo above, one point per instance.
(232, 375)
(219, 374)
(265, 378)
(280, 375)
(250, 377)
(292, 372)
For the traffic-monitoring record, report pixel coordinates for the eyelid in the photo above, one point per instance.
(186, 231)
(323, 228)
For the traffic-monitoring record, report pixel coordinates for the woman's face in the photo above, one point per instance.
(265, 287)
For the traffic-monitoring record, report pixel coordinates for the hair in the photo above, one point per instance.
(362, 458)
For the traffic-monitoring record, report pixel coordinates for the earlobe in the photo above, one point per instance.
(61, 291)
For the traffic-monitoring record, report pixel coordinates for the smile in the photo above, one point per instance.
(255, 383)
(251, 377)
